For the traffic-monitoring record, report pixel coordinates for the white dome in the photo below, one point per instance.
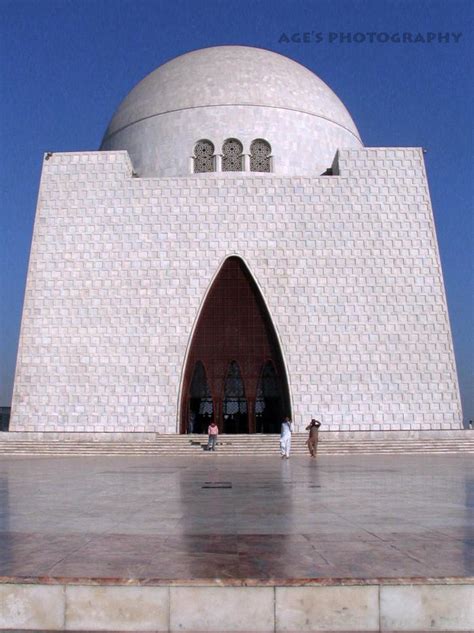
(231, 92)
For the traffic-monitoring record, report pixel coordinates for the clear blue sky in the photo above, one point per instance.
(65, 67)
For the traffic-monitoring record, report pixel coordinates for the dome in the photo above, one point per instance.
(231, 92)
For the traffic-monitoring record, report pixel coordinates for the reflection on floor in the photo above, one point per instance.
(247, 519)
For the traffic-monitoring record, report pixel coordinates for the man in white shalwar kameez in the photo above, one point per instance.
(285, 438)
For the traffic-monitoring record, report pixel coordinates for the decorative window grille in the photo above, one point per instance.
(232, 158)
(200, 389)
(260, 152)
(234, 394)
(206, 407)
(204, 157)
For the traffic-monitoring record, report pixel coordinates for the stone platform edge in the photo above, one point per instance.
(153, 436)
(364, 605)
(233, 582)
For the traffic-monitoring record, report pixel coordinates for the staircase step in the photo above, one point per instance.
(238, 445)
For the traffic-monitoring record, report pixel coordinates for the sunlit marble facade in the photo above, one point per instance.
(338, 238)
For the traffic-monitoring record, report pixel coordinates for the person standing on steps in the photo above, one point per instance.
(213, 432)
(285, 438)
(313, 438)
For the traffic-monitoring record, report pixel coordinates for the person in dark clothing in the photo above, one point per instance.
(313, 437)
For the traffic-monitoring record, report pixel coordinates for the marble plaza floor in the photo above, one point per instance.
(214, 543)
(237, 520)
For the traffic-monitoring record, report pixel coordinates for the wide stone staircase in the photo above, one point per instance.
(16, 444)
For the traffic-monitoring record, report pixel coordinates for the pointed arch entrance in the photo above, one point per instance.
(235, 341)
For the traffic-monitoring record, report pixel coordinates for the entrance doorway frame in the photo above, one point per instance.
(182, 401)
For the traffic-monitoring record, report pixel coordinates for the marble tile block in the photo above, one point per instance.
(31, 607)
(327, 609)
(117, 608)
(221, 609)
(427, 608)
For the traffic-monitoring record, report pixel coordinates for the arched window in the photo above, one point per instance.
(204, 156)
(232, 158)
(260, 152)
(199, 390)
(200, 404)
(269, 409)
(235, 402)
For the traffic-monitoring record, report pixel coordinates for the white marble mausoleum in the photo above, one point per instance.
(233, 251)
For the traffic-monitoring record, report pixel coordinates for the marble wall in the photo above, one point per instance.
(348, 266)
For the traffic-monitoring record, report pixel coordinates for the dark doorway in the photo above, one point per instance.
(236, 346)
(234, 407)
(200, 407)
(269, 409)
